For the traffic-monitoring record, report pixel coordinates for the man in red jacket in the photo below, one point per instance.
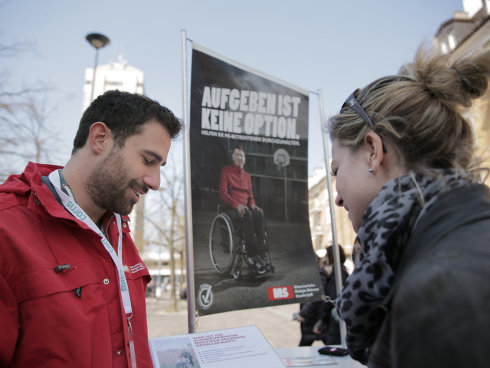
(235, 190)
(72, 285)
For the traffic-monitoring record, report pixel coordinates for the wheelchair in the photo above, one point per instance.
(228, 252)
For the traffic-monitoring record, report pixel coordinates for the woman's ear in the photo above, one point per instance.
(374, 146)
(100, 137)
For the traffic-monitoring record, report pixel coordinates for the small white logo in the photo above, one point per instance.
(205, 296)
(137, 267)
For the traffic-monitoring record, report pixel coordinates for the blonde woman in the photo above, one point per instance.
(403, 157)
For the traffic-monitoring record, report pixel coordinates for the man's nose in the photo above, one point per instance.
(152, 178)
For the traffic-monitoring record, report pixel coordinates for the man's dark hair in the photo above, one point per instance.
(124, 114)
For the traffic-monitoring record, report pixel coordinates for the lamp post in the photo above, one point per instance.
(98, 41)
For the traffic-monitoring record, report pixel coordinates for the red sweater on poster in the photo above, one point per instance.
(236, 187)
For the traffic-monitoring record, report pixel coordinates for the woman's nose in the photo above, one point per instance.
(339, 201)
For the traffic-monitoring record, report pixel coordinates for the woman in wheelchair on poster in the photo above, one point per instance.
(246, 217)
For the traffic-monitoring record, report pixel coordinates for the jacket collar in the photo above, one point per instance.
(29, 184)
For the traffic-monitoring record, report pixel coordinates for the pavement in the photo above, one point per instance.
(276, 323)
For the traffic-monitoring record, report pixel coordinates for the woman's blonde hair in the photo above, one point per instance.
(419, 111)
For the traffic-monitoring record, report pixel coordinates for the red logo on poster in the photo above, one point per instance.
(281, 292)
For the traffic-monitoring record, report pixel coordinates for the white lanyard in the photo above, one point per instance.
(70, 204)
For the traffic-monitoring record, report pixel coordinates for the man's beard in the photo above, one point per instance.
(108, 185)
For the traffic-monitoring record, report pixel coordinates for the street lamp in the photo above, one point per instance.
(98, 41)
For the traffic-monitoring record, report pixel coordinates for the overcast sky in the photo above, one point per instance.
(335, 46)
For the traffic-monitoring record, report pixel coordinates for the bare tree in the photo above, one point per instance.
(26, 134)
(24, 121)
(166, 222)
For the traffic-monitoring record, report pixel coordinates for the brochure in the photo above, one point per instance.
(241, 347)
(311, 361)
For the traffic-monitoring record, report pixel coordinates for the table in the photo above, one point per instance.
(312, 351)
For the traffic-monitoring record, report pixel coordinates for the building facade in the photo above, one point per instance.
(466, 32)
(115, 75)
(320, 219)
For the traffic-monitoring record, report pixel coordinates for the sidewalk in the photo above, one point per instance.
(275, 323)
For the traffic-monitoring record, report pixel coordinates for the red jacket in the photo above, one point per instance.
(235, 187)
(73, 318)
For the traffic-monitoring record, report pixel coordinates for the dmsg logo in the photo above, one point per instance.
(280, 292)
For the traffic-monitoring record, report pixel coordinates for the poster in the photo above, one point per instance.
(234, 106)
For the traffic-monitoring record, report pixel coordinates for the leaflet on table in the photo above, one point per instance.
(240, 347)
(312, 361)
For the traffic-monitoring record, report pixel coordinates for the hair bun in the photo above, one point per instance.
(456, 84)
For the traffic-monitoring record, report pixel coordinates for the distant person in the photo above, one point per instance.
(310, 313)
(72, 285)
(328, 322)
(406, 172)
(235, 190)
(183, 291)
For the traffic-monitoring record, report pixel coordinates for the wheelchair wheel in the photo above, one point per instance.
(221, 243)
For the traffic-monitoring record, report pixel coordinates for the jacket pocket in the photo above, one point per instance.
(64, 317)
(43, 282)
(138, 277)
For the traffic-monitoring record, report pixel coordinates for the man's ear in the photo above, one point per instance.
(99, 137)
(374, 147)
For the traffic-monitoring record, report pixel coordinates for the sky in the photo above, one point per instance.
(327, 45)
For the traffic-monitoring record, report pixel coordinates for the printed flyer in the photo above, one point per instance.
(241, 347)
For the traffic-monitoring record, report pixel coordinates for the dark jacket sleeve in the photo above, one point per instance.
(309, 309)
(445, 300)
